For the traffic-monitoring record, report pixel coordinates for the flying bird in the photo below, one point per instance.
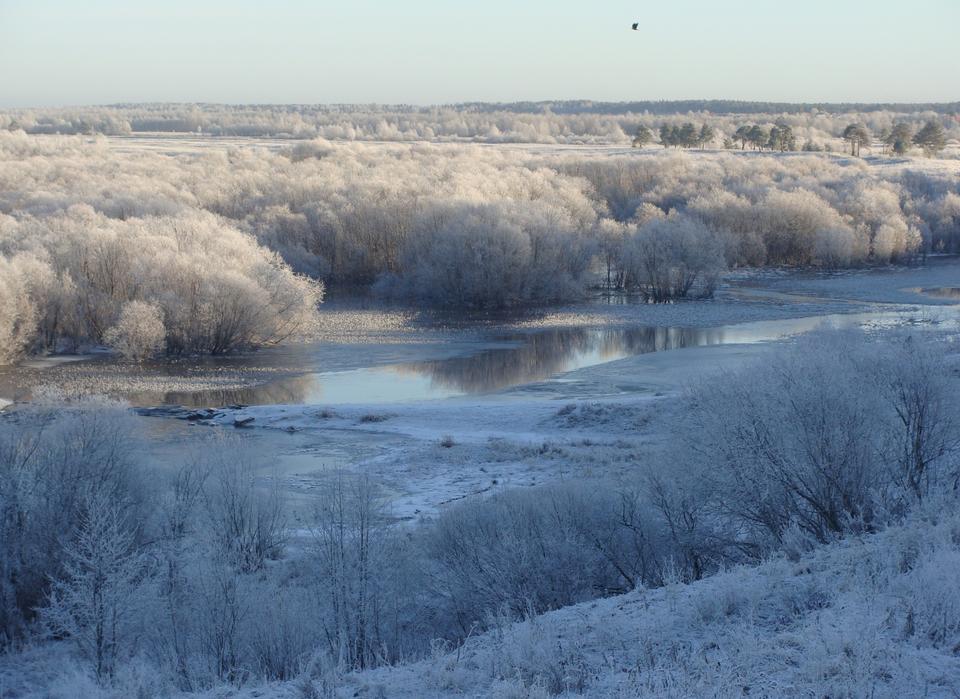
(635, 25)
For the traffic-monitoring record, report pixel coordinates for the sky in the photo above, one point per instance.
(74, 52)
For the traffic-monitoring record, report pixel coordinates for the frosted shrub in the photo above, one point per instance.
(493, 256)
(933, 607)
(674, 258)
(838, 435)
(139, 333)
(208, 286)
(54, 462)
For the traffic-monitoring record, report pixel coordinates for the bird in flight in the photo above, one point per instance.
(635, 25)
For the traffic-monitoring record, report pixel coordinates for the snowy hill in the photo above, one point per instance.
(877, 616)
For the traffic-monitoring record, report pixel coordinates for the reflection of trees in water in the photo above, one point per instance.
(538, 356)
(544, 354)
(293, 389)
(943, 292)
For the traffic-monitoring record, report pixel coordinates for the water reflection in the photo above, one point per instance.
(375, 373)
(943, 292)
(541, 355)
(290, 389)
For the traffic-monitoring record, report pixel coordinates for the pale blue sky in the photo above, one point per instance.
(63, 52)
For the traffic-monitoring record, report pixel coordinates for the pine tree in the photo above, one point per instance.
(758, 136)
(931, 138)
(642, 137)
(899, 138)
(707, 134)
(688, 135)
(666, 136)
(856, 135)
(742, 134)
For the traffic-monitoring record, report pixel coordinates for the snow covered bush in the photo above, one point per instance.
(840, 434)
(494, 256)
(139, 333)
(206, 285)
(94, 600)
(54, 461)
(674, 258)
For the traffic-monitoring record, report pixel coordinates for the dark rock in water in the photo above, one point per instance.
(178, 412)
(236, 406)
(204, 414)
(242, 421)
(174, 411)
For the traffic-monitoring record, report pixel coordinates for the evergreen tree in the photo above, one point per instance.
(676, 136)
(666, 136)
(758, 136)
(707, 134)
(899, 138)
(688, 135)
(782, 138)
(742, 134)
(642, 137)
(856, 135)
(931, 138)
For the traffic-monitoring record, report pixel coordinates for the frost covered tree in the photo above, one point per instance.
(139, 333)
(835, 436)
(856, 135)
(642, 136)
(349, 535)
(53, 461)
(94, 600)
(671, 258)
(247, 519)
(18, 314)
(931, 138)
(899, 138)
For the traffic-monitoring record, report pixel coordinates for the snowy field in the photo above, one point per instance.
(180, 144)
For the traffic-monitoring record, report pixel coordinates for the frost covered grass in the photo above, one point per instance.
(872, 616)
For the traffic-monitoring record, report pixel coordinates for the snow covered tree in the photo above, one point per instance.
(349, 538)
(642, 136)
(706, 135)
(139, 333)
(18, 314)
(246, 519)
(671, 258)
(94, 601)
(931, 138)
(666, 136)
(856, 135)
(899, 138)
